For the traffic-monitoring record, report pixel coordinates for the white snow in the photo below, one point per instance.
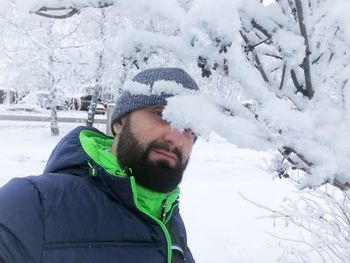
(168, 87)
(203, 117)
(159, 87)
(136, 88)
(221, 226)
(291, 45)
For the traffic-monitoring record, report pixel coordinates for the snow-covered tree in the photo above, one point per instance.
(300, 50)
(273, 77)
(286, 55)
(45, 55)
(18, 47)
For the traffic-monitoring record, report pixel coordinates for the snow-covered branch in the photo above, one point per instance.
(62, 9)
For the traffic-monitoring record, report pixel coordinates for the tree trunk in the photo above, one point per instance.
(92, 108)
(99, 71)
(51, 84)
(54, 122)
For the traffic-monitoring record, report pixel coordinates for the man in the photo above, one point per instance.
(105, 199)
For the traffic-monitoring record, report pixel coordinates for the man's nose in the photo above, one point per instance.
(174, 136)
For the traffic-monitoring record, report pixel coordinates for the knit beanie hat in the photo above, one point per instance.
(128, 102)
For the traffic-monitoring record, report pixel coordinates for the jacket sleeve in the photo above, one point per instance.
(178, 235)
(189, 257)
(21, 222)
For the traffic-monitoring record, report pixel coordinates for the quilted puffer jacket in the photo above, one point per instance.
(84, 208)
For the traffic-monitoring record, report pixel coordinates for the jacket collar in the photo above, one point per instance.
(90, 148)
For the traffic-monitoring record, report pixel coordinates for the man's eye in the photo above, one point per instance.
(158, 113)
(187, 130)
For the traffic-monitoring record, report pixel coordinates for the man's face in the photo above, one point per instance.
(156, 153)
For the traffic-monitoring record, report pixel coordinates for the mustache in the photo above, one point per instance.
(165, 147)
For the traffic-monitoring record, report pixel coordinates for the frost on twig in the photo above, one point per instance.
(324, 216)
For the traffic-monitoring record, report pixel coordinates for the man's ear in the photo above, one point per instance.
(118, 126)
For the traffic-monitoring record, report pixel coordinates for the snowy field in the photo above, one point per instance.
(221, 226)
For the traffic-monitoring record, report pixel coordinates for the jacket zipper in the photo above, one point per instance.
(163, 211)
(93, 172)
(161, 223)
(170, 213)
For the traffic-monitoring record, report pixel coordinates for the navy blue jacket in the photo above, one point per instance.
(66, 215)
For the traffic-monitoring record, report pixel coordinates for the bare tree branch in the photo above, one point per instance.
(303, 242)
(273, 55)
(261, 29)
(287, 152)
(71, 10)
(298, 87)
(342, 93)
(317, 59)
(26, 33)
(42, 12)
(283, 4)
(283, 75)
(256, 58)
(309, 92)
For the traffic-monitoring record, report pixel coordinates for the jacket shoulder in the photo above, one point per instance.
(21, 221)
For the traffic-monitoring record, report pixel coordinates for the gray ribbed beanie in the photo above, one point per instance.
(128, 102)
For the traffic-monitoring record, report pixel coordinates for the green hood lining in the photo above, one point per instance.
(97, 146)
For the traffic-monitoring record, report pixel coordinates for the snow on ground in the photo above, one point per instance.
(221, 226)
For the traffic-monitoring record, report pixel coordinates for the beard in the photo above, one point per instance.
(158, 175)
